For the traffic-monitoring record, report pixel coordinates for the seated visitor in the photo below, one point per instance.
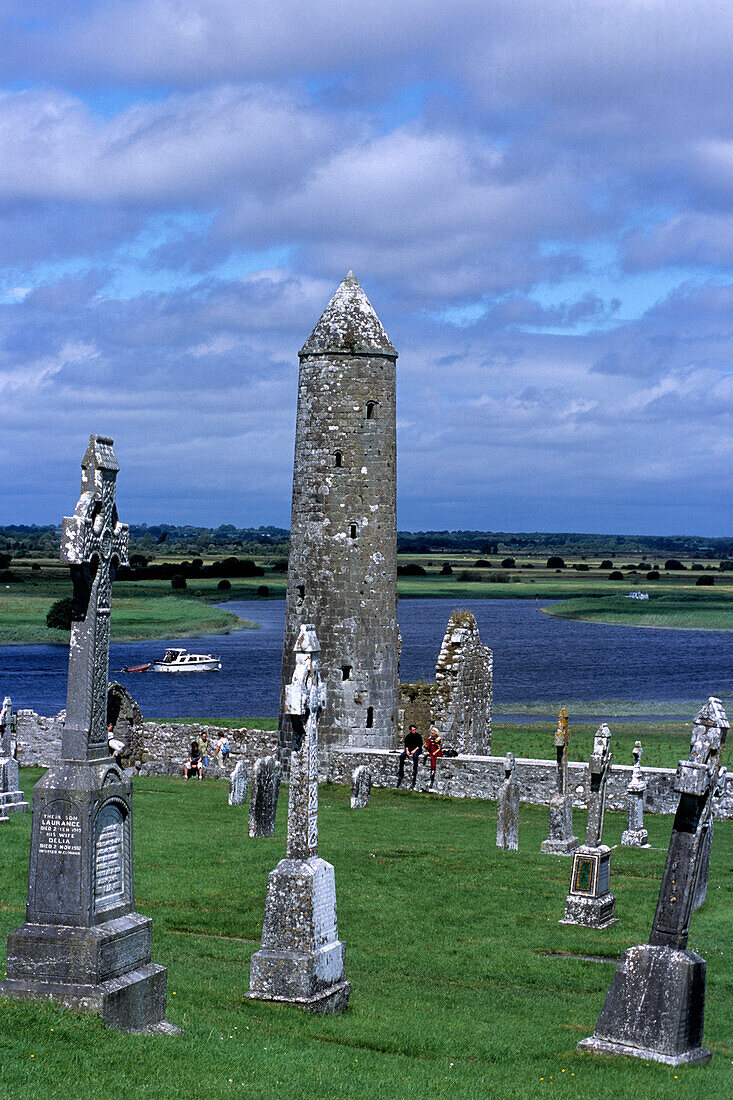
(434, 749)
(412, 749)
(193, 764)
(204, 747)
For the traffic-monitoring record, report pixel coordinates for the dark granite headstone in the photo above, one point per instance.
(301, 960)
(560, 840)
(83, 944)
(507, 808)
(655, 1008)
(265, 792)
(590, 901)
(12, 799)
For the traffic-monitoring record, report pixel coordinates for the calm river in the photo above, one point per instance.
(536, 657)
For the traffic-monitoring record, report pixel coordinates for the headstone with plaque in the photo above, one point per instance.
(560, 840)
(82, 943)
(12, 799)
(590, 901)
(301, 960)
(265, 792)
(635, 835)
(655, 1008)
(507, 808)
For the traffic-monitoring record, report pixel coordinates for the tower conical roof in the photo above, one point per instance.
(348, 324)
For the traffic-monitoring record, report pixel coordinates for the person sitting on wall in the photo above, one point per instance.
(204, 747)
(193, 764)
(434, 749)
(412, 749)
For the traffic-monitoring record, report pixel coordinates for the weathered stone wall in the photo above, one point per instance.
(342, 574)
(165, 745)
(482, 776)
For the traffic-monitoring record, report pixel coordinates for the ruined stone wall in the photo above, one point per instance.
(482, 776)
(343, 567)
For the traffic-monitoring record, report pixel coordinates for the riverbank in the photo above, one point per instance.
(134, 618)
(693, 610)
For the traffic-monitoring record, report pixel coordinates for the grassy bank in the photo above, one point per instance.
(23, 619)
(451, 950)
(691, 610)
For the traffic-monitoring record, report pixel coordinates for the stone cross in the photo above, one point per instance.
(93, 544)
(600, 767)
(507, 808)
(655, 1008)
(697, 781)
(562, 739)
(560, 840)
(6, 718)
(635, 835)
(305, 698)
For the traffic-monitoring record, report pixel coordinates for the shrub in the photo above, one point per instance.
(606, 564)
(224, 585)
(653, 575)
(582, 568)
(197, 563)
(35, 566)
(509, 563)
(280, 566)
(555, 562)
(469, 575)
(138, 561)
(482, 563)
(263, 590)
(59, 614)
(705, 581)
(725, 566)
(411, 570)
(617, 575)
(5, 560)
(498, 576)
(528, 565)
(672, 563)
(447, 570)
(178, 581)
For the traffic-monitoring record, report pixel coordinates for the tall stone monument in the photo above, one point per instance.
(655, 1008)
(560, 840)
(590, 901)
(82, 943)
(635, 835)
(342, 572)
(301, 960)
(507, 808)
(12, 799)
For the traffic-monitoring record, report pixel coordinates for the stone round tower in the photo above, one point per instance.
(342, 573)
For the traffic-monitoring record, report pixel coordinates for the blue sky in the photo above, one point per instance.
(537, 198)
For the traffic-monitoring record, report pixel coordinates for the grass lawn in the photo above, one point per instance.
(692, 610)
(454, 992)
(23, 619)
(664, 743)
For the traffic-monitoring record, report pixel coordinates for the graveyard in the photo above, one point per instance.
(463, 982)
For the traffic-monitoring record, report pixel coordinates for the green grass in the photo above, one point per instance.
(453, 992)
(664, 743)
(622, 707)
(702, 609)
(23, 619)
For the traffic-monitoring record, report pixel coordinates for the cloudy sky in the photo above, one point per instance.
(536, 195)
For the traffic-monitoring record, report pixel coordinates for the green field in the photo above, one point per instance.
(699, 609)
(460, 987)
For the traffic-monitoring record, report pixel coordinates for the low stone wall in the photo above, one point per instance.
(481, 777)
(165, 744)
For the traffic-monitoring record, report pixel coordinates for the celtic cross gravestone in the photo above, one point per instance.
(301, 960)
(82, 943)
(12, 799)
(560, 840)
(635, 835)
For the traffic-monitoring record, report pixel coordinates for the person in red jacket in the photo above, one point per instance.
(434, 749)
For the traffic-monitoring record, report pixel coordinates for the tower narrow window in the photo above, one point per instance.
(352, 531)
(338, 459)
(300, 589)
(345, 672)
(371, 410)
(370, 718)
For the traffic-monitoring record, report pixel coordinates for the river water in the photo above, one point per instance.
(536, 657)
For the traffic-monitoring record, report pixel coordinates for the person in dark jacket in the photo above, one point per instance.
(193, 764)
(412, 749)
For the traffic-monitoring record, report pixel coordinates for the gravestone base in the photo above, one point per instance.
(12, 799)
(655, 1008)
(104, 969)
(635, 838)
(560, 840)
(301, 960)
(589, 901)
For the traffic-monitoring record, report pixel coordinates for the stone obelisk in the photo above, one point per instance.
(342, 571)
(82, 943)
(301, 960)
(655, 1008)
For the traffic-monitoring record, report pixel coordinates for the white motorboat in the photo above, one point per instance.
(178, 660)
